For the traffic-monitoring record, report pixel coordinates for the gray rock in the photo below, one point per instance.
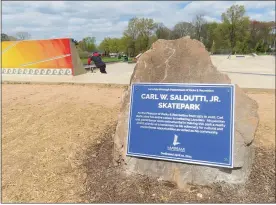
(187, 61)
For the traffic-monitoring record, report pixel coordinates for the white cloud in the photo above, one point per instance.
(269, 16)
(47, 19)
(257, 4)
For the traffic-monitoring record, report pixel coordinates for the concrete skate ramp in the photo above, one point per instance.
(41, 57)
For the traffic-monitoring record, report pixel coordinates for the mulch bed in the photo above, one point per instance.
(106, 184)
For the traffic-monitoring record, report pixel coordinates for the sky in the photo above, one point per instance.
(100, 19)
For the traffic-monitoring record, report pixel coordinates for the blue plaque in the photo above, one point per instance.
(189, 123)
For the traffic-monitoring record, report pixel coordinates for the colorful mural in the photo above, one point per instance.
(40, 57)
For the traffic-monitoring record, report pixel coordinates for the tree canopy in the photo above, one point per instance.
(236, 33)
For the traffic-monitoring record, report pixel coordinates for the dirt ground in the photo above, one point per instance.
(57, 148)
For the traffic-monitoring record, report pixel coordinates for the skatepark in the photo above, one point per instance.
(58, 133)
(258, 71)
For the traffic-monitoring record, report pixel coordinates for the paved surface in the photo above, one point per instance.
(257, 65)
(249, 72)
(118, 73)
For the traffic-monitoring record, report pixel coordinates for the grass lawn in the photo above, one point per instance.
(106, 60)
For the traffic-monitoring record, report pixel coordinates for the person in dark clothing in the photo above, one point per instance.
(96, 58)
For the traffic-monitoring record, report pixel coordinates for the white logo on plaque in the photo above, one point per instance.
(175, 140)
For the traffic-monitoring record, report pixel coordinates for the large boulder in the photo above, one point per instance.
(187, 61)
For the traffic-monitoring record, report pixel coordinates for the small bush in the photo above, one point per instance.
(84, 54)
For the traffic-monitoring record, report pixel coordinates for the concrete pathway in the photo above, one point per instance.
(250, 72)
(118, 73)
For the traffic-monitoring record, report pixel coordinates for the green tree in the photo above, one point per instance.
(213, 48)
(139, 30)
(236, 26)
(4, 37)
(146, 27)
(162, 32)
(236, 34)
(126, 45)
(199, 27)
(221, 39)
(105, 46)
(12, 38)
(254, 31)
(152, 39)
(265, 35)
(142, 43)
(261, 36)
(88, 44)
(210, 35)
(182, 29)
(132, 29)
(114, 45)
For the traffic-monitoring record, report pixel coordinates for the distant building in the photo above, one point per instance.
(113, 55)
(273, 32)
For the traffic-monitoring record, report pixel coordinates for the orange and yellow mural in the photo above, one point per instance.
(39, 57)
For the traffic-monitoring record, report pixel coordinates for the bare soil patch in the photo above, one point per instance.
(46, 131)
(57, 148)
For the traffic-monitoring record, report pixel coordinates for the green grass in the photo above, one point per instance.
(105, 59)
